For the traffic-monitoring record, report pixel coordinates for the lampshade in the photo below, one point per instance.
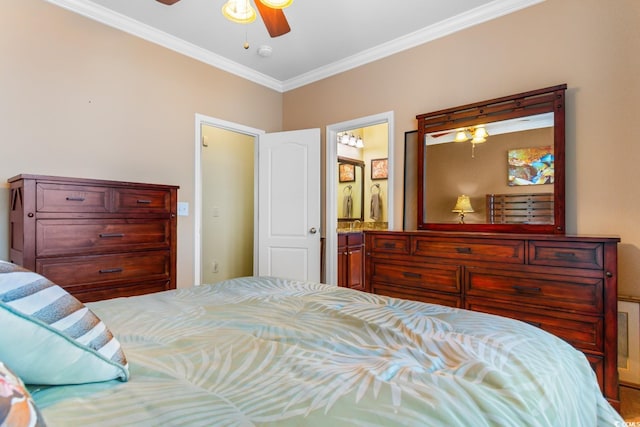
(463, 204)
(277, 4)
(480, 135)
(239, 11)
(462, 135)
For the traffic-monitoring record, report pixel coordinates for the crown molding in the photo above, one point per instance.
(153, 35)
(476, 16)
(468, 19)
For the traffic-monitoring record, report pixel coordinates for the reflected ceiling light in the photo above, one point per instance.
(462, 135)
(480, 135)
(277, 4)
(359, 142)
(239, 11)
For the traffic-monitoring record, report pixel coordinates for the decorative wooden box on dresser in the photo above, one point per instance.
(98, 239)
(566, 285)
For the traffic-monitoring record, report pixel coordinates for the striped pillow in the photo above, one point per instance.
(49, 337)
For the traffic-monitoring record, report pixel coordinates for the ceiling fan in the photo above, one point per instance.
(273, 17)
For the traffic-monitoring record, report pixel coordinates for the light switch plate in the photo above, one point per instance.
(183, 209)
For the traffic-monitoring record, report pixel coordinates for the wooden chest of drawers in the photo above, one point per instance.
(97, 239)
(566, 285)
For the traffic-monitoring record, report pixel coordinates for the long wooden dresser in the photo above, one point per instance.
(98, 239)
(566, 285)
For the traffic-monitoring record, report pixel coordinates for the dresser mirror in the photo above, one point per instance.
(350, 189)
(494, 166)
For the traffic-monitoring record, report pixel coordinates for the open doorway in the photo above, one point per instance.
(225, 199)
(378, 128)
(227, 204)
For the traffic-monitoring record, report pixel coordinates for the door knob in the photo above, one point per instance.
(313, 230)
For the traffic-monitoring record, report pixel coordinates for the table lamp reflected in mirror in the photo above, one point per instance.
(463, 205)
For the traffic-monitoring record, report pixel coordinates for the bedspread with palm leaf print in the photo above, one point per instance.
(269, 351)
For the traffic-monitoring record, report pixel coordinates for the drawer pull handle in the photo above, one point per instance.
(566, 255)
(463, 250)
(106, 235)
(75, 199)
(389, 245)
(536, 324)
(144, 202)
(529, 289)
(111, 270)
(411, 274)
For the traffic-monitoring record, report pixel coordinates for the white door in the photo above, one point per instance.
(289, 205)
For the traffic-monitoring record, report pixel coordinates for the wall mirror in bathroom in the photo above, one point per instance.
(350, 195)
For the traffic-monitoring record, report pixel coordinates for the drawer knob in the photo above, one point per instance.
(30, 215)
(111, 270)
(608, 274)
(107, 235)
(565, 255)
(411, 274)
(526, 289)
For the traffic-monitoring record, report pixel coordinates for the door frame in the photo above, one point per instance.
(202, 120)
(331, 171)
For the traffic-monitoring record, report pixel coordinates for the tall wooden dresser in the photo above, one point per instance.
(98, 239)
(566, 285)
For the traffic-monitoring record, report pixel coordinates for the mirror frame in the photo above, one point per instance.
(539, 101)
(360, 164)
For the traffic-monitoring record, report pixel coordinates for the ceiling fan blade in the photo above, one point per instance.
(168, 2)
(273, 19)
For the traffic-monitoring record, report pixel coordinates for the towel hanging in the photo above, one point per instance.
(376, 207)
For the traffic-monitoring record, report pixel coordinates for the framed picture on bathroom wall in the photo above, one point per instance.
(379, 169)
(346, 172)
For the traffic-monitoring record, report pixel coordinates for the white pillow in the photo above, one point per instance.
(49, 337)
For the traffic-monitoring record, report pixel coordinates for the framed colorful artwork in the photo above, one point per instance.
(379, 169)
(346, 172)
(531, 166)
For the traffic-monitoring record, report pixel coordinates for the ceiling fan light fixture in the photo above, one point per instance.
(239, 11)
(277, 4)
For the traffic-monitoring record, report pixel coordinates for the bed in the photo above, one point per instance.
(271, 351)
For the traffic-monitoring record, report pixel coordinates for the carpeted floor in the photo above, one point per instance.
(630, 403)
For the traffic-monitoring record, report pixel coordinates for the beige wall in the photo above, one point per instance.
(592, 45)
(78, 98)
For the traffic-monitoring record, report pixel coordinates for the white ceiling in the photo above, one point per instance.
(327, 36)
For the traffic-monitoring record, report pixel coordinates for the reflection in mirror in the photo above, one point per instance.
(350, 189)
(505, 155)
(515, 158)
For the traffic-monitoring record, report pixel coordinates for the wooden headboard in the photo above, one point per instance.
(520, 208)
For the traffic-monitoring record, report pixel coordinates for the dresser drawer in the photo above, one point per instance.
(583, 294)
(83, 236)
(563, 254)
(128, 289)
(132, 200)
(437, 277)
(91, 270)
(72, 198)
(416, 294)
(583, 332)
(392, 244)
(503, 251)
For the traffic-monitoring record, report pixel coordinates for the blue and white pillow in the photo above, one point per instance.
(49, 337)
